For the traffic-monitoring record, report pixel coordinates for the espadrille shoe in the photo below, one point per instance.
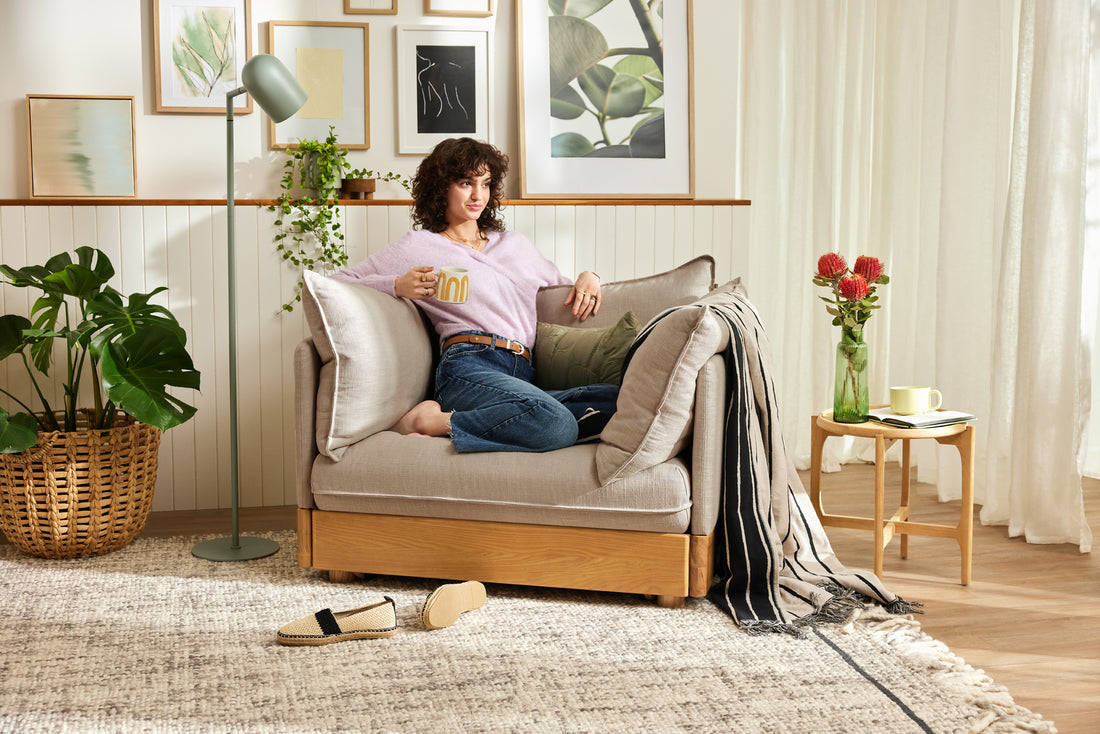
(443, 605)
(324, 627)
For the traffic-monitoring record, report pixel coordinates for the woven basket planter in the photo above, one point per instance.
(80, 493)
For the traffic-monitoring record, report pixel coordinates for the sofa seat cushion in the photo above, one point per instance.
(389, 474)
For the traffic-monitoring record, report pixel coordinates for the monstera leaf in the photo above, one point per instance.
(138, 369)
(135, 348)
(17, 432)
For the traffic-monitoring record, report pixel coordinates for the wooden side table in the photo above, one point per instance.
(959, 435)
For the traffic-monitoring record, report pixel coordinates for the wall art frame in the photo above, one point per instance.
(199, 49)
(331, 60)
(81, 146)
(595, 124)
(459, 8)
(370, 7)
(444, 85)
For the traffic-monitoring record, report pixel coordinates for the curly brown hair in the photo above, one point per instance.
(453, 160)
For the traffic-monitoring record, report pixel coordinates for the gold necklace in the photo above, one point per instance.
(476, 243)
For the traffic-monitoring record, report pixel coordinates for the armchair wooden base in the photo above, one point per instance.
(668, 566)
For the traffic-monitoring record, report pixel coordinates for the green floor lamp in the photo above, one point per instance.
(279, 94)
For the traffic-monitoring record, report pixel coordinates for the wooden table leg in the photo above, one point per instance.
(905, 465)
(880, 500)
(964, 531)
(817, 443)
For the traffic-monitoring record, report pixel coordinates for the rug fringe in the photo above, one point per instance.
(903, 634)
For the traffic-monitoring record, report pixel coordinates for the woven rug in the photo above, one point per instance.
(151, 639)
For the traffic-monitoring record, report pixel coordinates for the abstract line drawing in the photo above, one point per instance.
(445, 79)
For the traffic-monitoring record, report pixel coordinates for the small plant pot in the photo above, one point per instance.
(80, 493)
(358, 188)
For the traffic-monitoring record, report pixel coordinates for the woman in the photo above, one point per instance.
(484, 396)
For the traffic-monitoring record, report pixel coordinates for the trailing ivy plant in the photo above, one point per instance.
(309, 235)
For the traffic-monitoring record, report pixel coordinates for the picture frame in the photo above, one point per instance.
(595, 126)
(81, 146)
(459, 8)
(199, 49)
(436, 66)
(370, 7)
(331, 60)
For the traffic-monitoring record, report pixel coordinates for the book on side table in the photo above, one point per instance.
(931, 419)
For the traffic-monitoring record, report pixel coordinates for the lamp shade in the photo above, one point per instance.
(272, 86)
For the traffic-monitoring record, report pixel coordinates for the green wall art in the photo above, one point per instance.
(607, 78)
(605, 98)
(200, 48)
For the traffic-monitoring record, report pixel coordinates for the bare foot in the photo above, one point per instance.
(425, 419)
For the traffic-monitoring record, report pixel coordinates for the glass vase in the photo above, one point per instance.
(850, 402)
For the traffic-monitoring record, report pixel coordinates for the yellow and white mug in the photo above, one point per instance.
(914, 399)
(453, 285)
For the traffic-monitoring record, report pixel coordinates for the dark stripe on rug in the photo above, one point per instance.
(886, 691)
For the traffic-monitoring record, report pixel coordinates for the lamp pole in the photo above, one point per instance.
(233, 548)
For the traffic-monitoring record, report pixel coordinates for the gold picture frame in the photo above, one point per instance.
(81, 146)
(199, 49)
(331, 60)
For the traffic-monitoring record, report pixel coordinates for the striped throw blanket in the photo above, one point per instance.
(774, 568)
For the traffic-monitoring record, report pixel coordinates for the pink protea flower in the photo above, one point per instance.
(830, 265)
(869, 267)
(853, 287)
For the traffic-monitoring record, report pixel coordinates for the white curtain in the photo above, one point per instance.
(886, 128)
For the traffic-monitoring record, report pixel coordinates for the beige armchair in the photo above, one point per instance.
(634, 513)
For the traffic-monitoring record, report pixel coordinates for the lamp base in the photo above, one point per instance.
(222, 549)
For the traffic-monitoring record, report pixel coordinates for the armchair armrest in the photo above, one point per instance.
(307, 373)
(708, 440)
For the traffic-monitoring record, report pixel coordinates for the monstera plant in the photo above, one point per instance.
(128, 351)
(607, 101)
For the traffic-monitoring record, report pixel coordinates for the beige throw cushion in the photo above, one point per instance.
(656, 401)
(568, 357)
(646, 297)
(376, 359)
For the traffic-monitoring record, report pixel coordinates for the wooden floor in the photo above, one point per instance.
(1030, 618)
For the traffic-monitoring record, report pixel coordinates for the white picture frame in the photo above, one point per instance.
(432, 107)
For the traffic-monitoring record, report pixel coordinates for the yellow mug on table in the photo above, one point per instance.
(453, 285)
(914, 399)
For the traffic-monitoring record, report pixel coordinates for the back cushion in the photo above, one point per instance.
(376, 360)
(646, 297)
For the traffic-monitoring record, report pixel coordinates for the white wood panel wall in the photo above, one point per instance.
(183, 247)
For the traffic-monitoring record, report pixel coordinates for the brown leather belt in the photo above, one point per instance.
(493, 341)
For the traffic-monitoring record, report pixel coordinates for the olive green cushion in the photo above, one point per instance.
(570, 357)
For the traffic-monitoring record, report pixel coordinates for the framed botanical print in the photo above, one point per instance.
(444, 85)
(199, 49)
(605, 99)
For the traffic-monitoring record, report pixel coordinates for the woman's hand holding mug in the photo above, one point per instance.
(419, 282)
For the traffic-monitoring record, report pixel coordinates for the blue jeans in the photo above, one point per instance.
(496, 408)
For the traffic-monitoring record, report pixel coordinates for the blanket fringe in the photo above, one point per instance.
(843, 605)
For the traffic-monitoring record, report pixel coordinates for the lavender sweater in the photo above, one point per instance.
(504, 278)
